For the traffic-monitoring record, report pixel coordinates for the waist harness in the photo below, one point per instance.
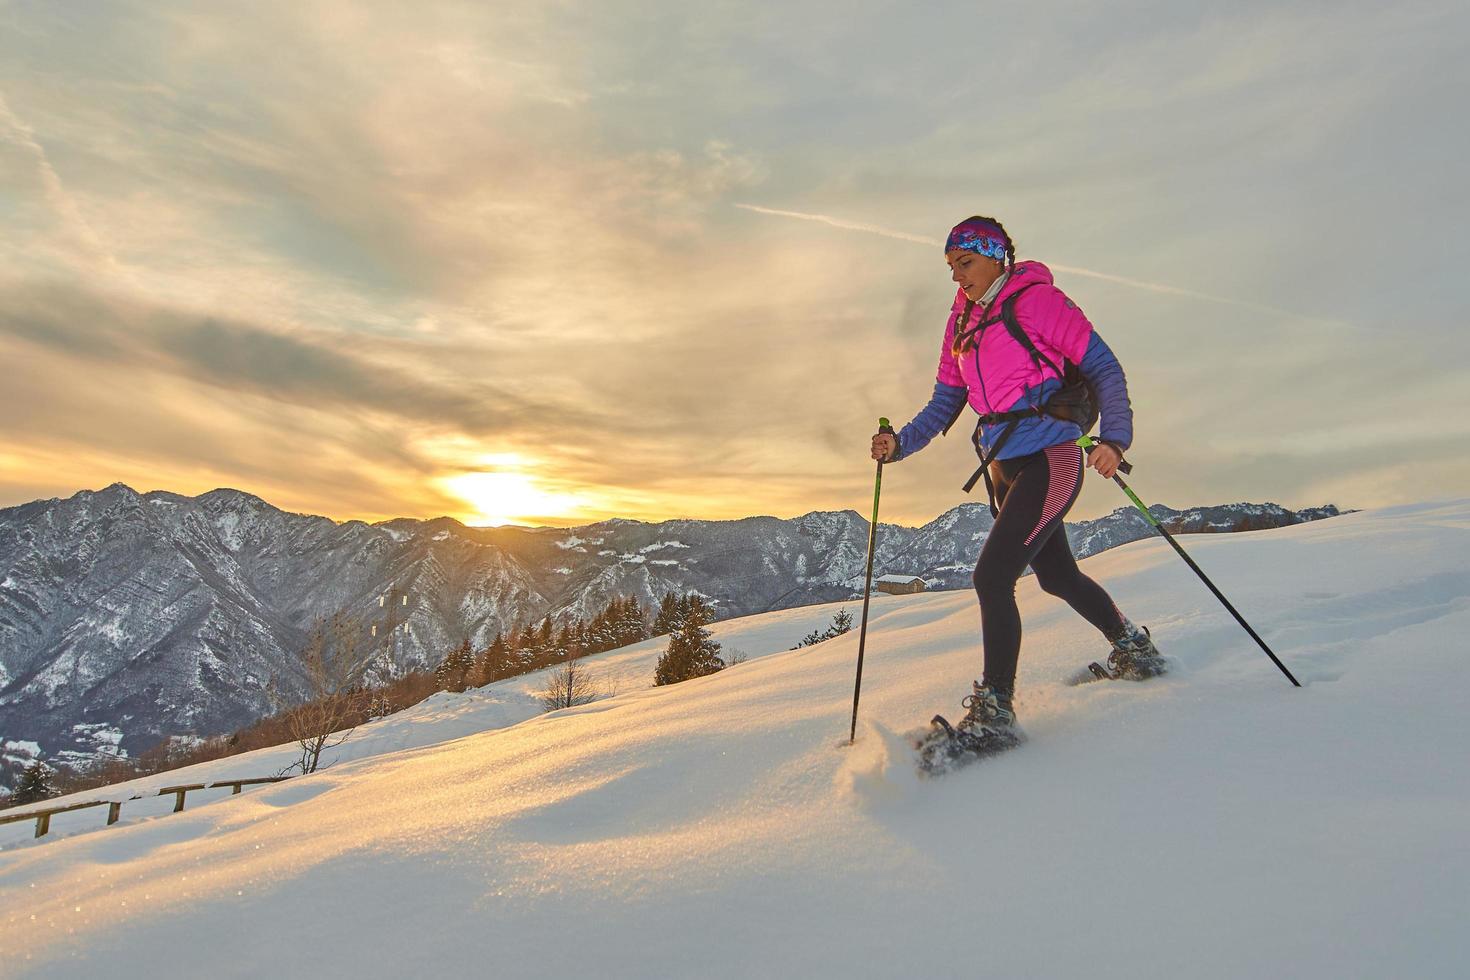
(1075, 401)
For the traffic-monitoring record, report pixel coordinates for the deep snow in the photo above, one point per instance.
(1213, 823)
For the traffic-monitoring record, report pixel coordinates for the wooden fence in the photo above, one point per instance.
(114, 807)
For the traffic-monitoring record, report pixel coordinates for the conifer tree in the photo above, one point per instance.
(34, 785)
(667, 619)
(841, 623)
(522, 648)
(561, 647)
(493, 663)
(612, 625)
(631, 626)
(810, 640)
(542, 644)
(453, 673)
(578, 644)
(691, 652)
(599, 636)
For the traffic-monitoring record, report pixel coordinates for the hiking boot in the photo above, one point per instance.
(987, 710)
(1134, 656)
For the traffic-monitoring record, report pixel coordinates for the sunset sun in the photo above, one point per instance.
(507, 498)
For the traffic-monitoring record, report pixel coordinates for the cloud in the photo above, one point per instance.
(237, 355)
(75, 234)
(386, 242)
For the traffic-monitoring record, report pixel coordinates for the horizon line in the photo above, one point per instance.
(604, 520)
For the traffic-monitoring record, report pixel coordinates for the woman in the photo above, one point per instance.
(1034, 463)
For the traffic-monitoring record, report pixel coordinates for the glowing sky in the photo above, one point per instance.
(557, 262)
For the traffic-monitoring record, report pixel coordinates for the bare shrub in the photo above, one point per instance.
(334, 660)
(104, 769)
(569, 685)
(114, 768)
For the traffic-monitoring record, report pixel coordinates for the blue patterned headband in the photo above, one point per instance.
(982, 238)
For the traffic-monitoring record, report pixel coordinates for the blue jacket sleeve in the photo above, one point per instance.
(945, 404)
(1101, 367)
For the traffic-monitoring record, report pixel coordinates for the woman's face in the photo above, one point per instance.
(972, 271)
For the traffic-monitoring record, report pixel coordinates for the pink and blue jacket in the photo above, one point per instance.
(999, 375)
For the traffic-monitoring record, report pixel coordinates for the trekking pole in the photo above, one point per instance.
(857, 687)
(1086, 442)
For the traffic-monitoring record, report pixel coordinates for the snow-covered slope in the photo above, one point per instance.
(441, 717)
(1214, 823)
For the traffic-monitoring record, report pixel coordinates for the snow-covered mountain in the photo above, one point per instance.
(1212, 823)
(125, 617)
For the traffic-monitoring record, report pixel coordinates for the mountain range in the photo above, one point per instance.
(128, 617)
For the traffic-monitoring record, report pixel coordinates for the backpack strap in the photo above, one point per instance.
(967, 336)
(984, 468)
(1070, 375)
(1013, 326)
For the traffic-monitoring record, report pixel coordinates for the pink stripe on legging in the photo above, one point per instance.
(1061, 464)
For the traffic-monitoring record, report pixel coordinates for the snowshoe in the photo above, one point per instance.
(988, 727)
(1133, 658)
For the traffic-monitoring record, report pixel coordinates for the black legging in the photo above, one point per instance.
(1033, 493)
